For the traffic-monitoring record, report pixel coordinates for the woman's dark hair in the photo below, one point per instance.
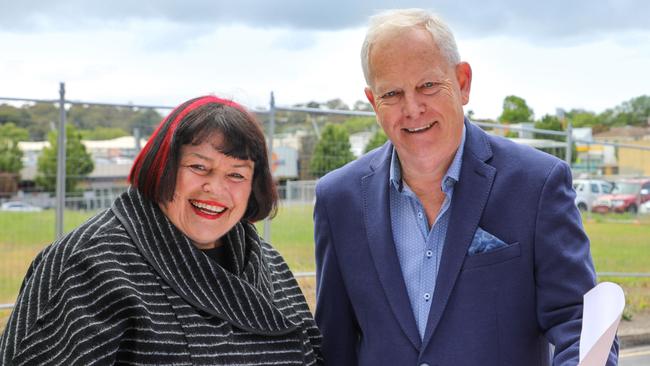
(193, 122)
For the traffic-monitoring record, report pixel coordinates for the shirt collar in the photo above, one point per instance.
(451, 176)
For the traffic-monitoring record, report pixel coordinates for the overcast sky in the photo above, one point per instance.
(555, 54)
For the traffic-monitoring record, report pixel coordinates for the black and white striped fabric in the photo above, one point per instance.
(128, 288)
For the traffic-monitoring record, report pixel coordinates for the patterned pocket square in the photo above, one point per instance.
(484, 242)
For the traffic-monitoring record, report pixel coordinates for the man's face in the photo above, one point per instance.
(417, 96)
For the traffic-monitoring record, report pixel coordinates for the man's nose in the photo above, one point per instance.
(413, 106)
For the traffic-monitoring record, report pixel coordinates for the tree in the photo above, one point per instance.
(378, 139)
(337, 104)
(549, 122)
(78, 163)
(102, 133)
(553, 123)
(360, 105)
(146, 120)
(515, 110)
(332, 150)
(583, 118)
(125, 118)
(10, 155)
(12, 114)
(43, 118)
(634, 112)
(359, 124)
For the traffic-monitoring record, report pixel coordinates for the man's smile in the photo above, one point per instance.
(419, 129)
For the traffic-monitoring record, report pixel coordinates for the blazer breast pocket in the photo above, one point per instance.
(492, 257)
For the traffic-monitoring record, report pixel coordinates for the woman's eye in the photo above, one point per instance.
(236, 176)
(198, 168)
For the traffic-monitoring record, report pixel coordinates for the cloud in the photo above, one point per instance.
(295, 41)
(545, 21)
(552, 21)
(584, 54)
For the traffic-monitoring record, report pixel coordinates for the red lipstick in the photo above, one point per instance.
(210, 210)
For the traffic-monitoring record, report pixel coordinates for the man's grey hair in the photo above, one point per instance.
(390, 21)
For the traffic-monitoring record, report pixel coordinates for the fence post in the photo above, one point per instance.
(569, 143)
(314, 124)
(288, 193)
(267, 222)
(60, 163)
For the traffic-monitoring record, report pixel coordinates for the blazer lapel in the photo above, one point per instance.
(381, 244)
(470, 196)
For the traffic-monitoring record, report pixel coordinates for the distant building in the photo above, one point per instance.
(552, 147)
(629, 161)
(359, 141)
(113, 159)
(592, 159)
(519, 128)
(284, 163)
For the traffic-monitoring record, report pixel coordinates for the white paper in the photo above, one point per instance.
(603, 307)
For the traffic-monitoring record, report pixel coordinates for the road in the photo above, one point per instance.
(639, 356)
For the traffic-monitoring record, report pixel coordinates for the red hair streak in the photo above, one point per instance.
(157, 166)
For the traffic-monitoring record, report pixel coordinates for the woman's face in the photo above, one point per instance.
(212, 191)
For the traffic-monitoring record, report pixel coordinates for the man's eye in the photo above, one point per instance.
(391, 97)
(429, 87)
(390, 94)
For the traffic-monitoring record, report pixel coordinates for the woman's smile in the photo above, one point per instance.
(210, 210)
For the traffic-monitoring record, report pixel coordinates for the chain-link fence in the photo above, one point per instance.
(103, 139)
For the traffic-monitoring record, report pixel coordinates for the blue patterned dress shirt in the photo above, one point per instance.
(419, 245)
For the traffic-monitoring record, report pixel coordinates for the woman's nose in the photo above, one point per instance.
(213, 185)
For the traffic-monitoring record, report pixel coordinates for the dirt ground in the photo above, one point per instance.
(308, 286)
(640, 323)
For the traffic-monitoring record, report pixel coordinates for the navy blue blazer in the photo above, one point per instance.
(501, 307)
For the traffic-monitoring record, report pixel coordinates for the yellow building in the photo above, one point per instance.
(630, 161)
(635, 161)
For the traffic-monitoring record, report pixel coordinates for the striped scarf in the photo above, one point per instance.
(127, 287)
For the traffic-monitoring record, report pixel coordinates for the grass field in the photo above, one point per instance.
(623, 247)
(617, 246)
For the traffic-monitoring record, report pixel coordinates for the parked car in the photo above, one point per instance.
(19, 206)
(587, 190)
(645, 208)
(626, 196)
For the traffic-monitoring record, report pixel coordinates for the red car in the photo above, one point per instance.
(626, 196)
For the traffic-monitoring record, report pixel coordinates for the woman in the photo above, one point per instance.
(174, 273)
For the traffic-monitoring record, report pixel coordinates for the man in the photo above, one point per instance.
(446, 246)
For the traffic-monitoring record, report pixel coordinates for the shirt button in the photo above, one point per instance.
(429, 253)
(427, 296)
(419, 215)
(424, 364)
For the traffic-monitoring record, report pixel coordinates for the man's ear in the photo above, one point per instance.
(464, 77)
(371, 98)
